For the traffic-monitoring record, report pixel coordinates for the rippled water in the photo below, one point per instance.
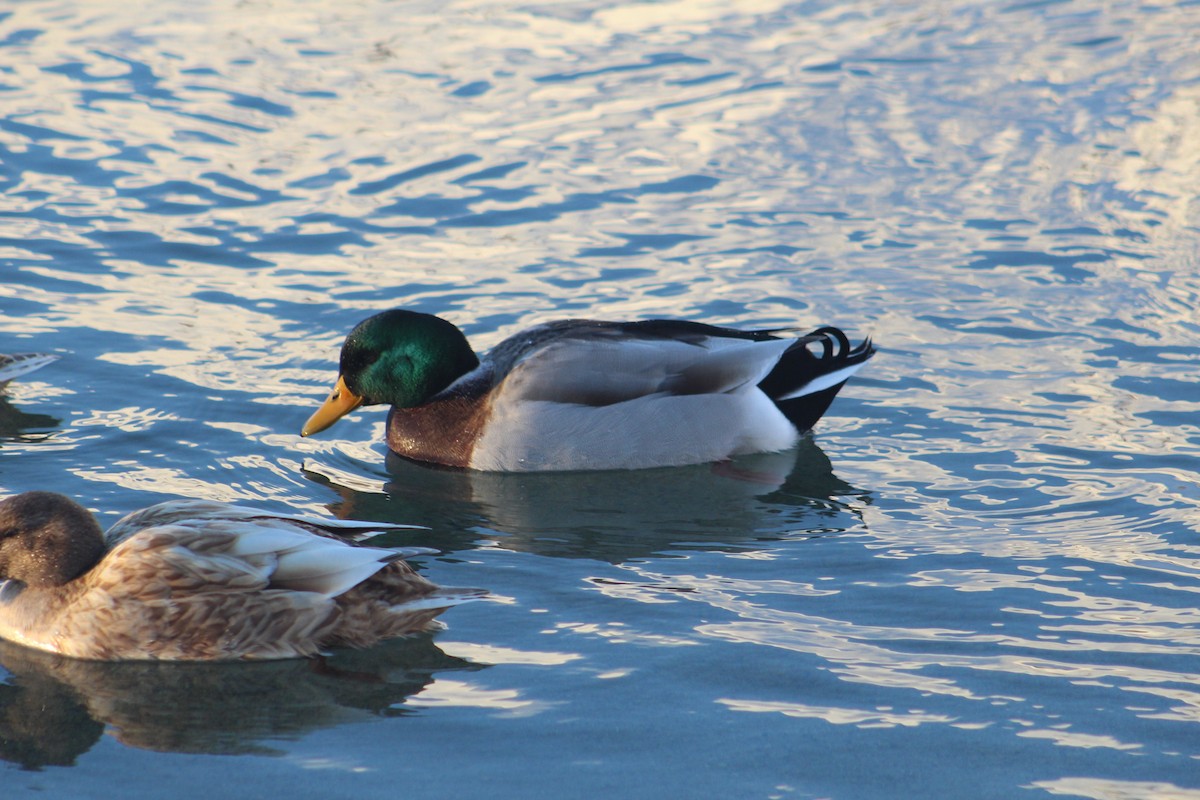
(978, 579)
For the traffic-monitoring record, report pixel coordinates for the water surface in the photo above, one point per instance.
(978, 578)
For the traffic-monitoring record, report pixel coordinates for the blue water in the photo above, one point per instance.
(978, 579)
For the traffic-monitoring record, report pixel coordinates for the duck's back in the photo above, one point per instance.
(225, 588)
(585, 394)
(173, 593)
(593, 395)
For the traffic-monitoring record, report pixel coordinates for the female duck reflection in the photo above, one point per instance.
(53, 709)
(199, 582)
(13, 422)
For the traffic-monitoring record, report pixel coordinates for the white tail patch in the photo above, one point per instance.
(822, 382)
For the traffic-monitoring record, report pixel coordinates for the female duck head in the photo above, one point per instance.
(398, 357)
(47, 539)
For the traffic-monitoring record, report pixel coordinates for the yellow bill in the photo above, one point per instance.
(340, 403)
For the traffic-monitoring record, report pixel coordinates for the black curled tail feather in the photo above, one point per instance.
(800, 383)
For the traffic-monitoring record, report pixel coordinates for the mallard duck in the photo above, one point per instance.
(12, 366)
(586, 394)
(195, 580)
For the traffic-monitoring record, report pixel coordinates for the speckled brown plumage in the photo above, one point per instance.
(200, 581)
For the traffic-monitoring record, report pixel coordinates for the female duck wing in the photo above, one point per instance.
(172, 561)
(239, 555)
(231, 590)
(201, 513)
(177, 593)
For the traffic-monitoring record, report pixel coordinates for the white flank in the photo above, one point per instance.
(651, 431)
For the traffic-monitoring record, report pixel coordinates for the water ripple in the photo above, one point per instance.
(979, 575)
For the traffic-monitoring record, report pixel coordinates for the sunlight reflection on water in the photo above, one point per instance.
(988, 546)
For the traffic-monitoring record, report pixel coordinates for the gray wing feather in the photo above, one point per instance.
(599, 372)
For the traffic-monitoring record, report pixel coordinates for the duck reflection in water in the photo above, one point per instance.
(54, 709)
(613, 515)
(14, 423)
(18, 364)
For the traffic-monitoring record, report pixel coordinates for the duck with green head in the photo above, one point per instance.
(587, 394)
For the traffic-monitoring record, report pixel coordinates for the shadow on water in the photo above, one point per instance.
(16, 424)
(612, 516)
(54, 709)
